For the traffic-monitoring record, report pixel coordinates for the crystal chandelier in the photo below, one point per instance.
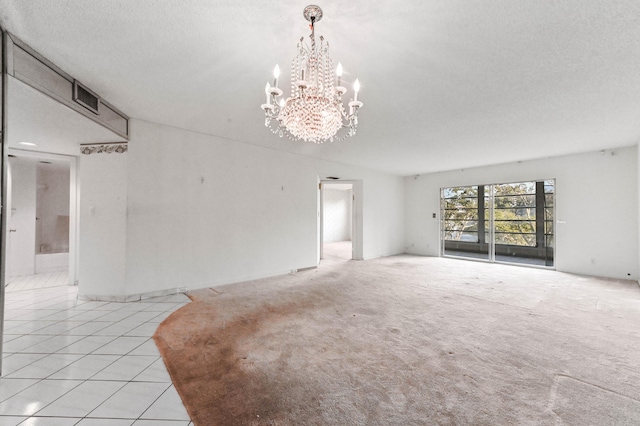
(314, 112)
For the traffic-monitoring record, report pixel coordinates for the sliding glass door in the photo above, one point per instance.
(510, 222)
(464, 231)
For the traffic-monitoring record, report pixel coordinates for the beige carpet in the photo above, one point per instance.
(409, 341)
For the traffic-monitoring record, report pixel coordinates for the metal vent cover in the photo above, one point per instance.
(86, 97)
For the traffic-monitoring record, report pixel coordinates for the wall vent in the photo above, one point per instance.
(85, 97)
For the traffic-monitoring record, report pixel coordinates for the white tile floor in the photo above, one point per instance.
(73, 362)
(30, 282)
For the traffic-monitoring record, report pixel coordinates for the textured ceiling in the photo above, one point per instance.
(447, 84)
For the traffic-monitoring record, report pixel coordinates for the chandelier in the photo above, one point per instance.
(314, 112)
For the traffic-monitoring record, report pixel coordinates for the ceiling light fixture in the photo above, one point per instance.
(314, 112)
(28, 144)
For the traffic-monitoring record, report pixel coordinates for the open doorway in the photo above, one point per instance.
(44, 120)
(41, 204)
(337, 221)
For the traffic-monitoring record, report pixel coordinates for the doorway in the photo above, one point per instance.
(41, 222)
(337, 221)
(340, 206)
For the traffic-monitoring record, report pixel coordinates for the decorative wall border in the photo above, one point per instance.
(104, 148)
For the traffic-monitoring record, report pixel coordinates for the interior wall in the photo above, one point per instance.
(21, 250)
(596, 208)
(204, 211)
(102, 225)
(336, 215)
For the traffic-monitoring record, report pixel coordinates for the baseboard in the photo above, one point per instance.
(250, 278)
(182, 289)
(128, 297)
(379, 256)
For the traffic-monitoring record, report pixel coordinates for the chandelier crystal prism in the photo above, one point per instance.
(314, 112)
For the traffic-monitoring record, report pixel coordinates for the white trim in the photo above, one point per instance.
(177, 290)
(357, 204)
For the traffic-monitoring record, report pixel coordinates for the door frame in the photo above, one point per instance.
(74, 205)
(3, 178)
(356, 217)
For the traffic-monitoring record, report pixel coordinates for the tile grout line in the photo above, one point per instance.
(30, 309)
(156, 400)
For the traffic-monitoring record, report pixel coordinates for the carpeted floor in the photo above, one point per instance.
(409, 340)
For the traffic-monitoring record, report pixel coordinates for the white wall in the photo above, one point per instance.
(102, 225)
(204, 211)
(52, 262)
(596, 206)
(336, 214)
(21, 253)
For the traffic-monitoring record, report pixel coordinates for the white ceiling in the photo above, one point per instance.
(447, 84)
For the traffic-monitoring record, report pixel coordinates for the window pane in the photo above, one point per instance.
(549, 186)
(461, 235)
(460, 203)
(517, 213)
(517, 200)
(548, 227)
(516, 239)
(469, 237)
(548, 213)
(549, 241)
(517, 226)
(516, 188)
(454, 225)
(461, 192)
(461, 215)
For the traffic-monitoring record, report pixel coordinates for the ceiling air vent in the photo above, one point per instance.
(85, 97)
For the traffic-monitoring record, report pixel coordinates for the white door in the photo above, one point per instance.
(21, 221)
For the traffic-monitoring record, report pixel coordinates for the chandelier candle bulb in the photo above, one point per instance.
(356, 89)
(267, 90)
(276, 75)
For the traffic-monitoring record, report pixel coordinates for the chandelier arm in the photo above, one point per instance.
(271, 115)
(350, 116)
(272, 110)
